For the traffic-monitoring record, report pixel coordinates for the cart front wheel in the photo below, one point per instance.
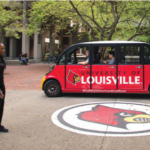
(52, 88)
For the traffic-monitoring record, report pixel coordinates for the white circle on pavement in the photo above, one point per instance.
(105, 118)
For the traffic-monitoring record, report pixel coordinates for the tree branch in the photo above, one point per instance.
(10, 22)
(106, 6)
(113, 11)
(92, 11)
(142, 20)
(93, 21)
(125, 20)
(137, 35)
(82, 18)
(122, 11)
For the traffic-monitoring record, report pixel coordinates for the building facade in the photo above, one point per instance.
(37, 45)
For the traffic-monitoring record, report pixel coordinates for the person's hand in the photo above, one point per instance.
(1, 95)
(105, 62)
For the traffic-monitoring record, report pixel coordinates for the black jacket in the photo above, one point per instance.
(2, 67)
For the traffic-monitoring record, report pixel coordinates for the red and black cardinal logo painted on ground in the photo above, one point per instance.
(105, 119)
(73, 77)
(114, 117)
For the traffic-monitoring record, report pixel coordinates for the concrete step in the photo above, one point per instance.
(17, 62)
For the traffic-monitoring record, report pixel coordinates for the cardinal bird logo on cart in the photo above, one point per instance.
(114, 117)
(73, 77)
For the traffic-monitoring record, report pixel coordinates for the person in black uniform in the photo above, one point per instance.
(2, 86)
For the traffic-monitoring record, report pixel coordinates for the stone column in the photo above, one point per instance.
(25, 39)
(37, 48)
(12, 48)
(70, 39)
(80, 51)
(25, 44)
(43, 45)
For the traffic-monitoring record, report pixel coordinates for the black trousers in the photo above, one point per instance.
(2, 103)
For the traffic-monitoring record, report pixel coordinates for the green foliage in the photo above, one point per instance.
(44, 15)
(105, 20)
(84, 49)
(144, 38)
(134, 21)
(56, 53)
(11, 20)
(111, 20)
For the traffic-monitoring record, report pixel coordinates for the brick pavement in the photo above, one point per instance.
(25, 77)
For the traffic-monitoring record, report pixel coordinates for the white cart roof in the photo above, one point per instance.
(113, 42)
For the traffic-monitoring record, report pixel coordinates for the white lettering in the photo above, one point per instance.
(82, 80)
(97, 79)
(109, 81)
(137, 80)
(114, 80)
(88, 81)
(130, 82)
(103, 80)
(93, 80)
(124, 80)
(120, 80)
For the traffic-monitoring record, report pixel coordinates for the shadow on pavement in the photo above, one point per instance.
(107, 95)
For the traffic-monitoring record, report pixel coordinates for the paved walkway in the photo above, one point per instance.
(25, 77)
(28, 111)
(27, 115)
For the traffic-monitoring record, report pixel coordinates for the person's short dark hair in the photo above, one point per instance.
(112, 53)
(1, 44)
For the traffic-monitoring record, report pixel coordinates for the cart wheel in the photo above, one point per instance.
(52, 88)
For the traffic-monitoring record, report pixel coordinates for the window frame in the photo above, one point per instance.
(141, 53)
(144, 53)
(60, 59)
(105, 45)
(77, 45)
(102, 45)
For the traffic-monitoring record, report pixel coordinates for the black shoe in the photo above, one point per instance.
(3, 129)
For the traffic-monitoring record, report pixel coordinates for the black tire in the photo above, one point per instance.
(52, 88)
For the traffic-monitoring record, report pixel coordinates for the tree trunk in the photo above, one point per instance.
(51, 45)
(103, 52)
(1, 34)
(54, 36)
(113, 29)
(101, 36)
(110, 36)
(61, 47)
(70, 39)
